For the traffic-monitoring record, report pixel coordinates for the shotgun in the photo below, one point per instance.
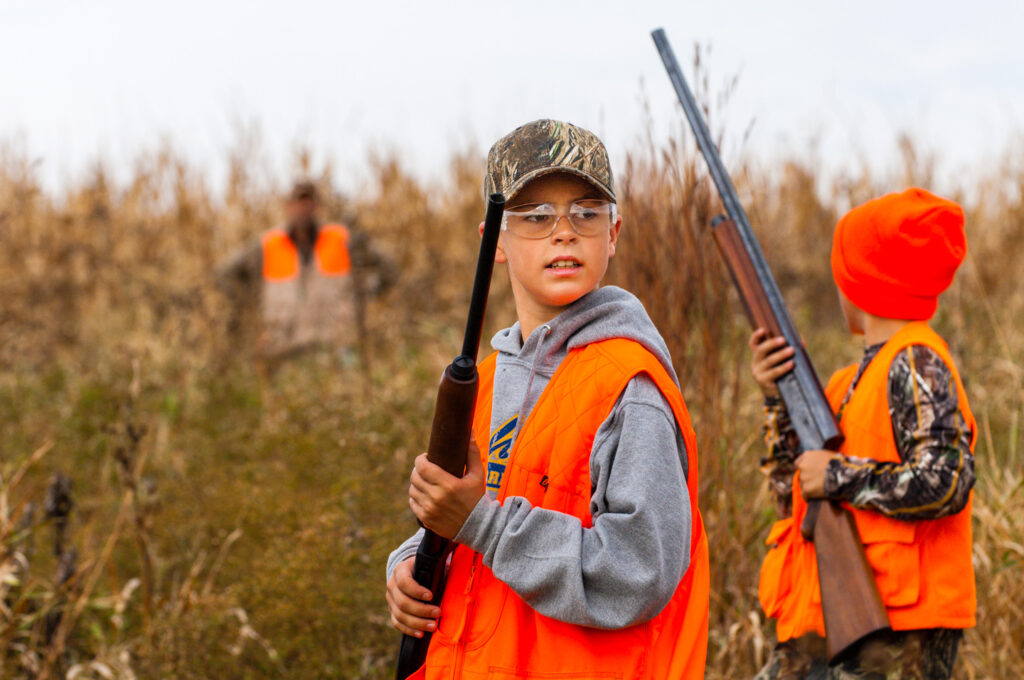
(451, 430)
(851, 604)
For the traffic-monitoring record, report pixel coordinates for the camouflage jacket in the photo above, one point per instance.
(936, 472)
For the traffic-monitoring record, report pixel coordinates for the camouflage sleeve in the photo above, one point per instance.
(241, 271)
(936, 472)
(783, 448)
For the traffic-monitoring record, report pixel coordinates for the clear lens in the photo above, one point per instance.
(587, 218)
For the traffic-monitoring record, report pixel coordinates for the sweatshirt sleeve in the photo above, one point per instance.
(624, 569)
(403, 552)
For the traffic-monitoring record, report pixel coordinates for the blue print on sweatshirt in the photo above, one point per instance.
(497, 456)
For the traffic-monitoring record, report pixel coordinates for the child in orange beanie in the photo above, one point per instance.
(906, 467)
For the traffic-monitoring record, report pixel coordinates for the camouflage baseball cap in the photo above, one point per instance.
(541, 148)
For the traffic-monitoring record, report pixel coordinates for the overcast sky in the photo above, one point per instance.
(106, 78)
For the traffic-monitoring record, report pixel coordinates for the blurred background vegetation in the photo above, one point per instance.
(167, 510)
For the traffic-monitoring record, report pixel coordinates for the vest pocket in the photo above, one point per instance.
(490, 596)
(894, 557)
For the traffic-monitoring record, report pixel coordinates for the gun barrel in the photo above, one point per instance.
(697, 124)
(482, 280)
(810, 412)
(851, 604)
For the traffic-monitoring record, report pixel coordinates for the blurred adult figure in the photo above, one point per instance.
(309, 280)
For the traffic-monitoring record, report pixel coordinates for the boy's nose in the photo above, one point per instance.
(563, 229)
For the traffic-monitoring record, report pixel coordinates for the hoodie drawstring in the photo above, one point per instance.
(529, 383)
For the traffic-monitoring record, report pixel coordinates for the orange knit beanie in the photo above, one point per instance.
(894, 255)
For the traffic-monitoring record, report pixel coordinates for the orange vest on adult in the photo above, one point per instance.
(486, 630)
(923, 568)
(330, 254)
(306, 305)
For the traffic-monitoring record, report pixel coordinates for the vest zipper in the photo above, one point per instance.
(460, 641)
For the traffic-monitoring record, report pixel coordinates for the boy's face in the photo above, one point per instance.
(549, 273)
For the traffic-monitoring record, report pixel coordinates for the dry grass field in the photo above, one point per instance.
(219, 523)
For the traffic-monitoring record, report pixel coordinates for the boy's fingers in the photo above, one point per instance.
(779, 356)
(417, 508)
(756, 345)
(424, 495)
(423, 490)
(780, 371)
(760, 336)
(403, 629)
(417, 498)
(431, 474)
(417, 482)
(425, 511)
(774, 357)
(409, 613)
(399, 619)
(769, 347)
(412, 608)
(411, 625)
(407, 585)
(420, 464)
(766, 365)
(414, 614)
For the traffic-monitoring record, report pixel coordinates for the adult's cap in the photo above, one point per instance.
(894, 255)
(304, 190)
(544, 147)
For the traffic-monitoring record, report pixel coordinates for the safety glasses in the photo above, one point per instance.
(588, 217)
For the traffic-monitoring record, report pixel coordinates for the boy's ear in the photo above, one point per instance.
(613, 236)
(499, 254)
(854, 315)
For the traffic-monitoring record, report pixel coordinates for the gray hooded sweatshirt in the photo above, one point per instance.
(623, 569)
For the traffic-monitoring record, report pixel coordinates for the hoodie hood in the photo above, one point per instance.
(523, 368)
(608, 312)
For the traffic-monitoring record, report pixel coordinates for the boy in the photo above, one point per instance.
(906, 468)
(581, 552)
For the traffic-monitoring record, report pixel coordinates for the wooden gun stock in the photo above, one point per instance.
(850, 602)
(755, 302)
(453, 420)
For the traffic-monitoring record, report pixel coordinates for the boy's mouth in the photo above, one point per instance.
(564, 263)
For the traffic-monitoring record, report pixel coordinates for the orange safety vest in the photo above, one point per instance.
(306, 306)
(486, 630)
(330, 253)
(923, 568)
